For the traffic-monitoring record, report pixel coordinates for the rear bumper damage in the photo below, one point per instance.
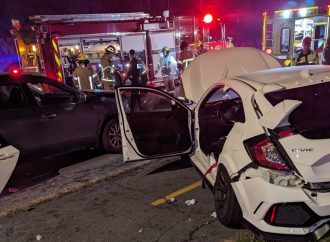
(276, 205)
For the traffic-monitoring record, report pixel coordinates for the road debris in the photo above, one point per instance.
(214, 215)
(172, 200)
(191, 202)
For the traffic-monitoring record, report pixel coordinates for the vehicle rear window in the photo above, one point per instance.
(312, 117)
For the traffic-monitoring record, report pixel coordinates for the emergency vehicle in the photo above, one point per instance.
(283, 33)
(53, 43)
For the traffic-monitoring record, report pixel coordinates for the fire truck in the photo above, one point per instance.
(53, 42)
(284, 31)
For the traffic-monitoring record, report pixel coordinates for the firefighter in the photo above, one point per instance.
(84, 76)
(306, 56)
(186, 56)
(168, 66)
(108, 69)
(112, 66)
(230, 43)
(200, 47)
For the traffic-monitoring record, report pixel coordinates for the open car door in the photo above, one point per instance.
(153, 124)
(8, 160)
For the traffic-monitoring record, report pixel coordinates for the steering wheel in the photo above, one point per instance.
(226, 112)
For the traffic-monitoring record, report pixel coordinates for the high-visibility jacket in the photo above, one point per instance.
(85, 78)
(309, 58)
(108, 68)
(168, 65)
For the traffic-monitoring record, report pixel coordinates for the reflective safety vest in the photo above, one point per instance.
(310, 58)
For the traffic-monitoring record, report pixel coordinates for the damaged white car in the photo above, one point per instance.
(259, 133)
(8, 160)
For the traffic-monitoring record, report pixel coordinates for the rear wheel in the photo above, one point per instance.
(111, 138)
(227, 207)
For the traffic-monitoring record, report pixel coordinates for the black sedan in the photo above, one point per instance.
(41, 117)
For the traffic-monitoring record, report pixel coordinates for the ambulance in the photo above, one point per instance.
(284, 31)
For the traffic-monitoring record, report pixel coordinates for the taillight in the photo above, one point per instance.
(284, 133)
(263, 151)
(266, 154)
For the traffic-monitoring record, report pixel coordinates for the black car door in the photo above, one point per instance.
(66, 121)
(18, 117)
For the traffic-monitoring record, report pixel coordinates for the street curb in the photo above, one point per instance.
(61, 185)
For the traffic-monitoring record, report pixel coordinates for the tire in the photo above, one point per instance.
(227, 207)
(111, 138)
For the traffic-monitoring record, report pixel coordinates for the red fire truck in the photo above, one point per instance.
(54, 40)
(284, 31)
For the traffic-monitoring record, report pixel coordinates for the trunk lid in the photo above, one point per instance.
(309, 147)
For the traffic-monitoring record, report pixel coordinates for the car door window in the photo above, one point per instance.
(159, 124)
(217, 115)
(11, 96)
(48, 94)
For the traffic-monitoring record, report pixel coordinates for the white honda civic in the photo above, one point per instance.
(259, 133)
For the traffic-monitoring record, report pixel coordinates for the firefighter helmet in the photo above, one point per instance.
(110, 49)
(166, 49)
(307, 40)
(198, 43)
(82, 57)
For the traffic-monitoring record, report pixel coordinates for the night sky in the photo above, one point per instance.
(243, 18)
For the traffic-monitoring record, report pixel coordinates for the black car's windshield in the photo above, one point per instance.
(312, 117)
(44, 88)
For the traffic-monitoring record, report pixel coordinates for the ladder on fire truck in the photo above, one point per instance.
(75, 18)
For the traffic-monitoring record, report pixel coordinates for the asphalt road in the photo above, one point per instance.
(119, 209)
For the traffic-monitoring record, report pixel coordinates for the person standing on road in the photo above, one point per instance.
(84, 76)
(186, 56)
(326, 53)
(306, 56)
(168, 66)
(136, 70)
(107, 62)
(110, 69)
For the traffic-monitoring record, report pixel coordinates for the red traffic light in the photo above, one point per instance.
(208, 18)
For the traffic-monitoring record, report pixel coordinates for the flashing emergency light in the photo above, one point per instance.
(15, 71)
(269, 51)
(287, 14)
(34, 48)
(208, 18)
(303, 12)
